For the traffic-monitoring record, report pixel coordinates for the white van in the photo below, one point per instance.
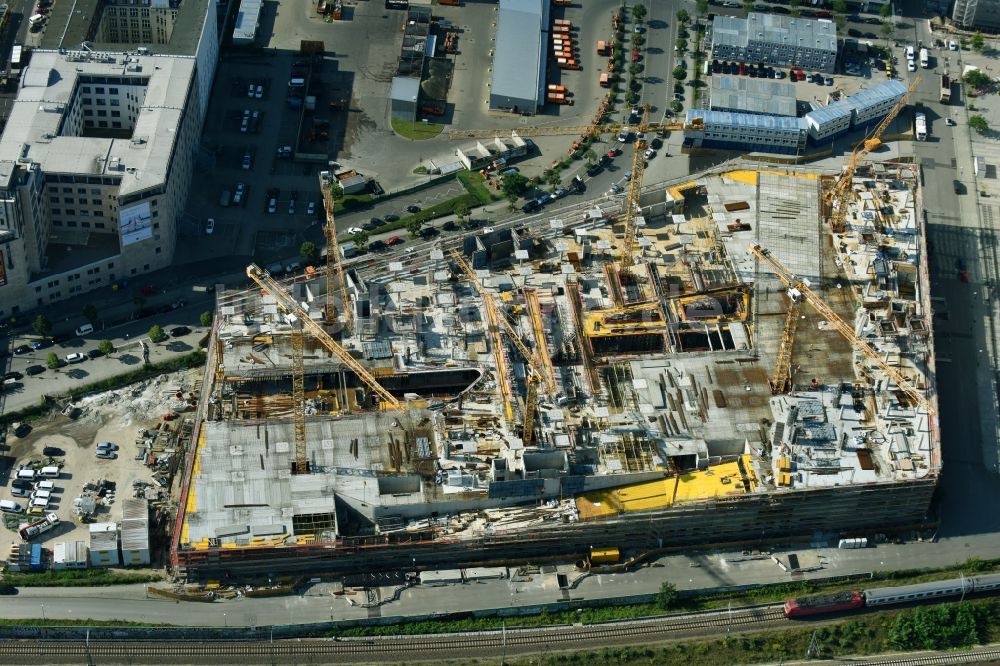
(296, 83)
(45, 485)
(7, 506)
(49, 472)
(41, 494)
(26, 474)
(35, 19)
(39, 502)
(86, 329)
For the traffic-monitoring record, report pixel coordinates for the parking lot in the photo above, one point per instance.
(118, 417)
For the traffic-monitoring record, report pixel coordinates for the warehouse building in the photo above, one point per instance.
(774, 39)
(98, 151)
(740, 93)
(519, 56)
(744, 131)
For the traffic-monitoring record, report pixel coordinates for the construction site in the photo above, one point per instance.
(740, 358)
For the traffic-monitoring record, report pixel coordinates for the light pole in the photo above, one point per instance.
(43, 612)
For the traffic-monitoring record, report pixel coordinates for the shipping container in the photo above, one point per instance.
(604, 555)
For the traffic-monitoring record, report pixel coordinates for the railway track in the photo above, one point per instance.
(438, 645)
(974, 657)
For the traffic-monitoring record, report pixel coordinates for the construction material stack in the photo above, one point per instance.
(557, 94)
(563, 46)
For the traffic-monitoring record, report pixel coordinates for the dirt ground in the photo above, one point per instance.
(113, 416)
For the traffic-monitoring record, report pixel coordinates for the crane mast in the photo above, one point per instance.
(334, 266)
(631, 241)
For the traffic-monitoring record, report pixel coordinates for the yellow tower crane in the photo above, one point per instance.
(631, 240)
(300, 321)
(818, 304)
(334, 266)
(781, 379)
(535, 374)
(838, 195)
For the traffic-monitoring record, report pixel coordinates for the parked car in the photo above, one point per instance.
(76, 357)
(650, 153)
(106, 454)
(13, 375)
(22, 349)
(95, 353)
(372, 225)
(250, 90)
(450, 226)
(33, 370)
(246, 161)
(377, 246)
(949, 122)
(311, 208)
(395, 240)
(110, 446)
(413, 209)
(391, 217)
(354, 230)
(179, 331)
(259, 92)
(209, 226)
(594, 170)
(41, 344)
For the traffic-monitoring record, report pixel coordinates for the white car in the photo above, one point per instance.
(311, 208)
(250, 90)
(76, 357)
(272, 205)
(650, 153)
(952, 44)
(354, 230)
(291, 206)
(259, 93)
(110, 446)
(911, 66)
(209, 226)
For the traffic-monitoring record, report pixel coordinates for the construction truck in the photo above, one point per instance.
(945, 89)
(602, 48)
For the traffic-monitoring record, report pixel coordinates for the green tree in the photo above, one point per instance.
(590, 155)
(513, 184)
(106, 347)
(360, 239)
(680, 73)
(977, 78)
(702, 7)
(748, 5)
(309, 252)
(631, 97)
(840, 20)
(156, 333)
(41, 326)
(681, 44)
(839, 6)
(634, 69)
(90, 312)
(639, 12)
(205, 318)
(978, 42)
(887, 30)
(668, 597)
(52, 360)
(413, 226)
(886, 11)
(683, 16)
(978, 123)
(461, 210)
(676, 106)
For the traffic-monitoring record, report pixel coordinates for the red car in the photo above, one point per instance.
(395, 240)
(614, 152)
(635, 56)
(41, 10)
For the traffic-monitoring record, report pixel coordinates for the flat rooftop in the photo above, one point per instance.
(647, 389)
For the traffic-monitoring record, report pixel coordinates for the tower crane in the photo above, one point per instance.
(818, 304)
(535, 373)
(333, 265)
(631, 241)
(300, 321)
(781, 379)
(837, 196)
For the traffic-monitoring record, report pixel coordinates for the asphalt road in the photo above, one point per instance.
(698, 571)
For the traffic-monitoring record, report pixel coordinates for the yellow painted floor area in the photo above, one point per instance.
(717, 481)
(191, 505)
(749, 176)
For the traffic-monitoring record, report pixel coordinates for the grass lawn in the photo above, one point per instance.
(416, 131)
(474, 184)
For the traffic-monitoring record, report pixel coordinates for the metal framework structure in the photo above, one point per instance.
(781, 379)
(631, 240)
(284, 301)
(818, 304)
(837, 196)
(301, 465)
(333, 264)
(535, 312)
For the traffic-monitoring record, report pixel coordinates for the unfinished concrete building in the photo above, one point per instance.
(525, 394)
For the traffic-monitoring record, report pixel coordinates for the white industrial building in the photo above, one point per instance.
(747, 95)
(774, 39)
(104, 545)
(247, 22)
(404, 96)
(69, 555)
(135, 533)
(97, 155)
(519, 56)
(730, 130)
(744, 131)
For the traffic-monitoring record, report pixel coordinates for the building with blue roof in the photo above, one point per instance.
(830, 122)
(519, 56)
